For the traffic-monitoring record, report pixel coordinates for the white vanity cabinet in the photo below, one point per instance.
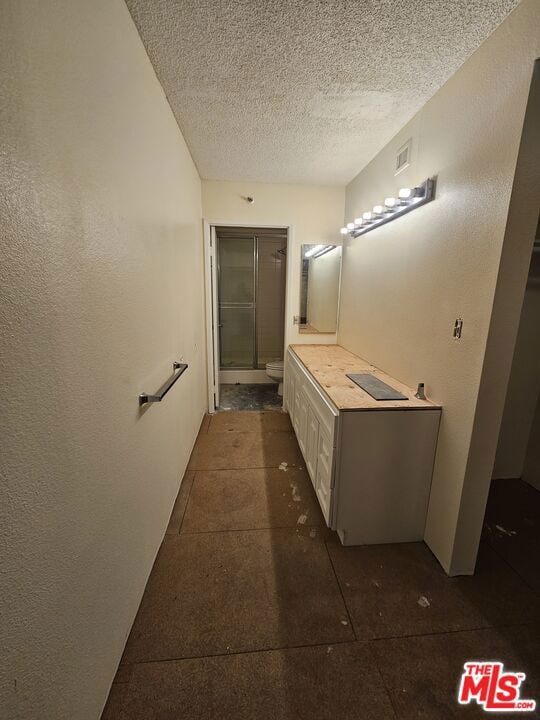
(313, 419)
(370, 462)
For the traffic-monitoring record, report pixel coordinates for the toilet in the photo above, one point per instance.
(274, 370)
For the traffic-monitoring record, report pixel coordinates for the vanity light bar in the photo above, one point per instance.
(318, 250)
(408, 199)
(325, 250)
(313, 250)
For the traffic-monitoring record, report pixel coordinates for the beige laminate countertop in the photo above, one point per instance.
(329, 365)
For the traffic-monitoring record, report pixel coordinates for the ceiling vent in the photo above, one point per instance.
(403, 157)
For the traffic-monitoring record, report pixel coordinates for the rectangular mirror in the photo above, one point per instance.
(319, 288)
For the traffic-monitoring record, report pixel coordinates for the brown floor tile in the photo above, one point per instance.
(316, 683)
(250, 421)
(205, 424)
(123, 674)
(512, 527)
(115, 702)
(396, 590)
(179, 508)
(214, 593)
(422, 673)
(223, 450)
(249, 499)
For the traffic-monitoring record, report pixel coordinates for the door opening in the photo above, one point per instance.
(512, 521)
(248, 270)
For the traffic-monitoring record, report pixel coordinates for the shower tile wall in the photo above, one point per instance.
(270, 301)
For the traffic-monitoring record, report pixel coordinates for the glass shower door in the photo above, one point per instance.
(237, 268)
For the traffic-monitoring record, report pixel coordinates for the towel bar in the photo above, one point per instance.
(178, 369)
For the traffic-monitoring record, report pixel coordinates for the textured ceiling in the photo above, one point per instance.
(303, 91)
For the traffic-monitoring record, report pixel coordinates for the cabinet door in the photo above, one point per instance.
(323, 485)
(295, 415)
(288, 391)
(312, 444)
(300, 415)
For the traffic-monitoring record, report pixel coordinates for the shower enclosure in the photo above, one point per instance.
(251, 296)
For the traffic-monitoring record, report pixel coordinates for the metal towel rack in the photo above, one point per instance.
(178, 369)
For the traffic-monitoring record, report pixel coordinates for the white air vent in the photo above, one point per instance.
(403, 157)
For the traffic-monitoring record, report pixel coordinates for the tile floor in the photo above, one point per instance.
(254, 396)
(255, 610)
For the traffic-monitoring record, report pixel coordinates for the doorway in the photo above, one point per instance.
(512, 521)
(248, 274)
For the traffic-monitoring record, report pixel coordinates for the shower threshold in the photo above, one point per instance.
(231, 377)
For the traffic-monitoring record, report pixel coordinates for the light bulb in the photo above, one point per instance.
(405, 193)
(350, 226)
(368, 216)
(343, 231)
(390, 202)
(314, 249)
(358, 222)
(326, 249)
(378, 209)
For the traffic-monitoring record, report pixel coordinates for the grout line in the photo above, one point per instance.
(260, 433)
(251, 529)
(365, 641)
(340, 590)
(528, 585)
(280, 648)
(383, 681)
(290, 466)
(186, 505)
(482, 628)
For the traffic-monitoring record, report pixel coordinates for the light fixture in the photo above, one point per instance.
(408, 199)
(326, 249)
(313, 250)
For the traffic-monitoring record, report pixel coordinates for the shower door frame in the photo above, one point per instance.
(212, 310)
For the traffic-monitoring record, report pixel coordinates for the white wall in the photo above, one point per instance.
(405, 283)
(101, 290)
(323, 290)
(314, 214)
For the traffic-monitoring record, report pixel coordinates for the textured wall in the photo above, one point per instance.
(503, 327)
(314, 214)
(100, 228)
(405, 283)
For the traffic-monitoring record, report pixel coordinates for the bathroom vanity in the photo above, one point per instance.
(370, 461)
